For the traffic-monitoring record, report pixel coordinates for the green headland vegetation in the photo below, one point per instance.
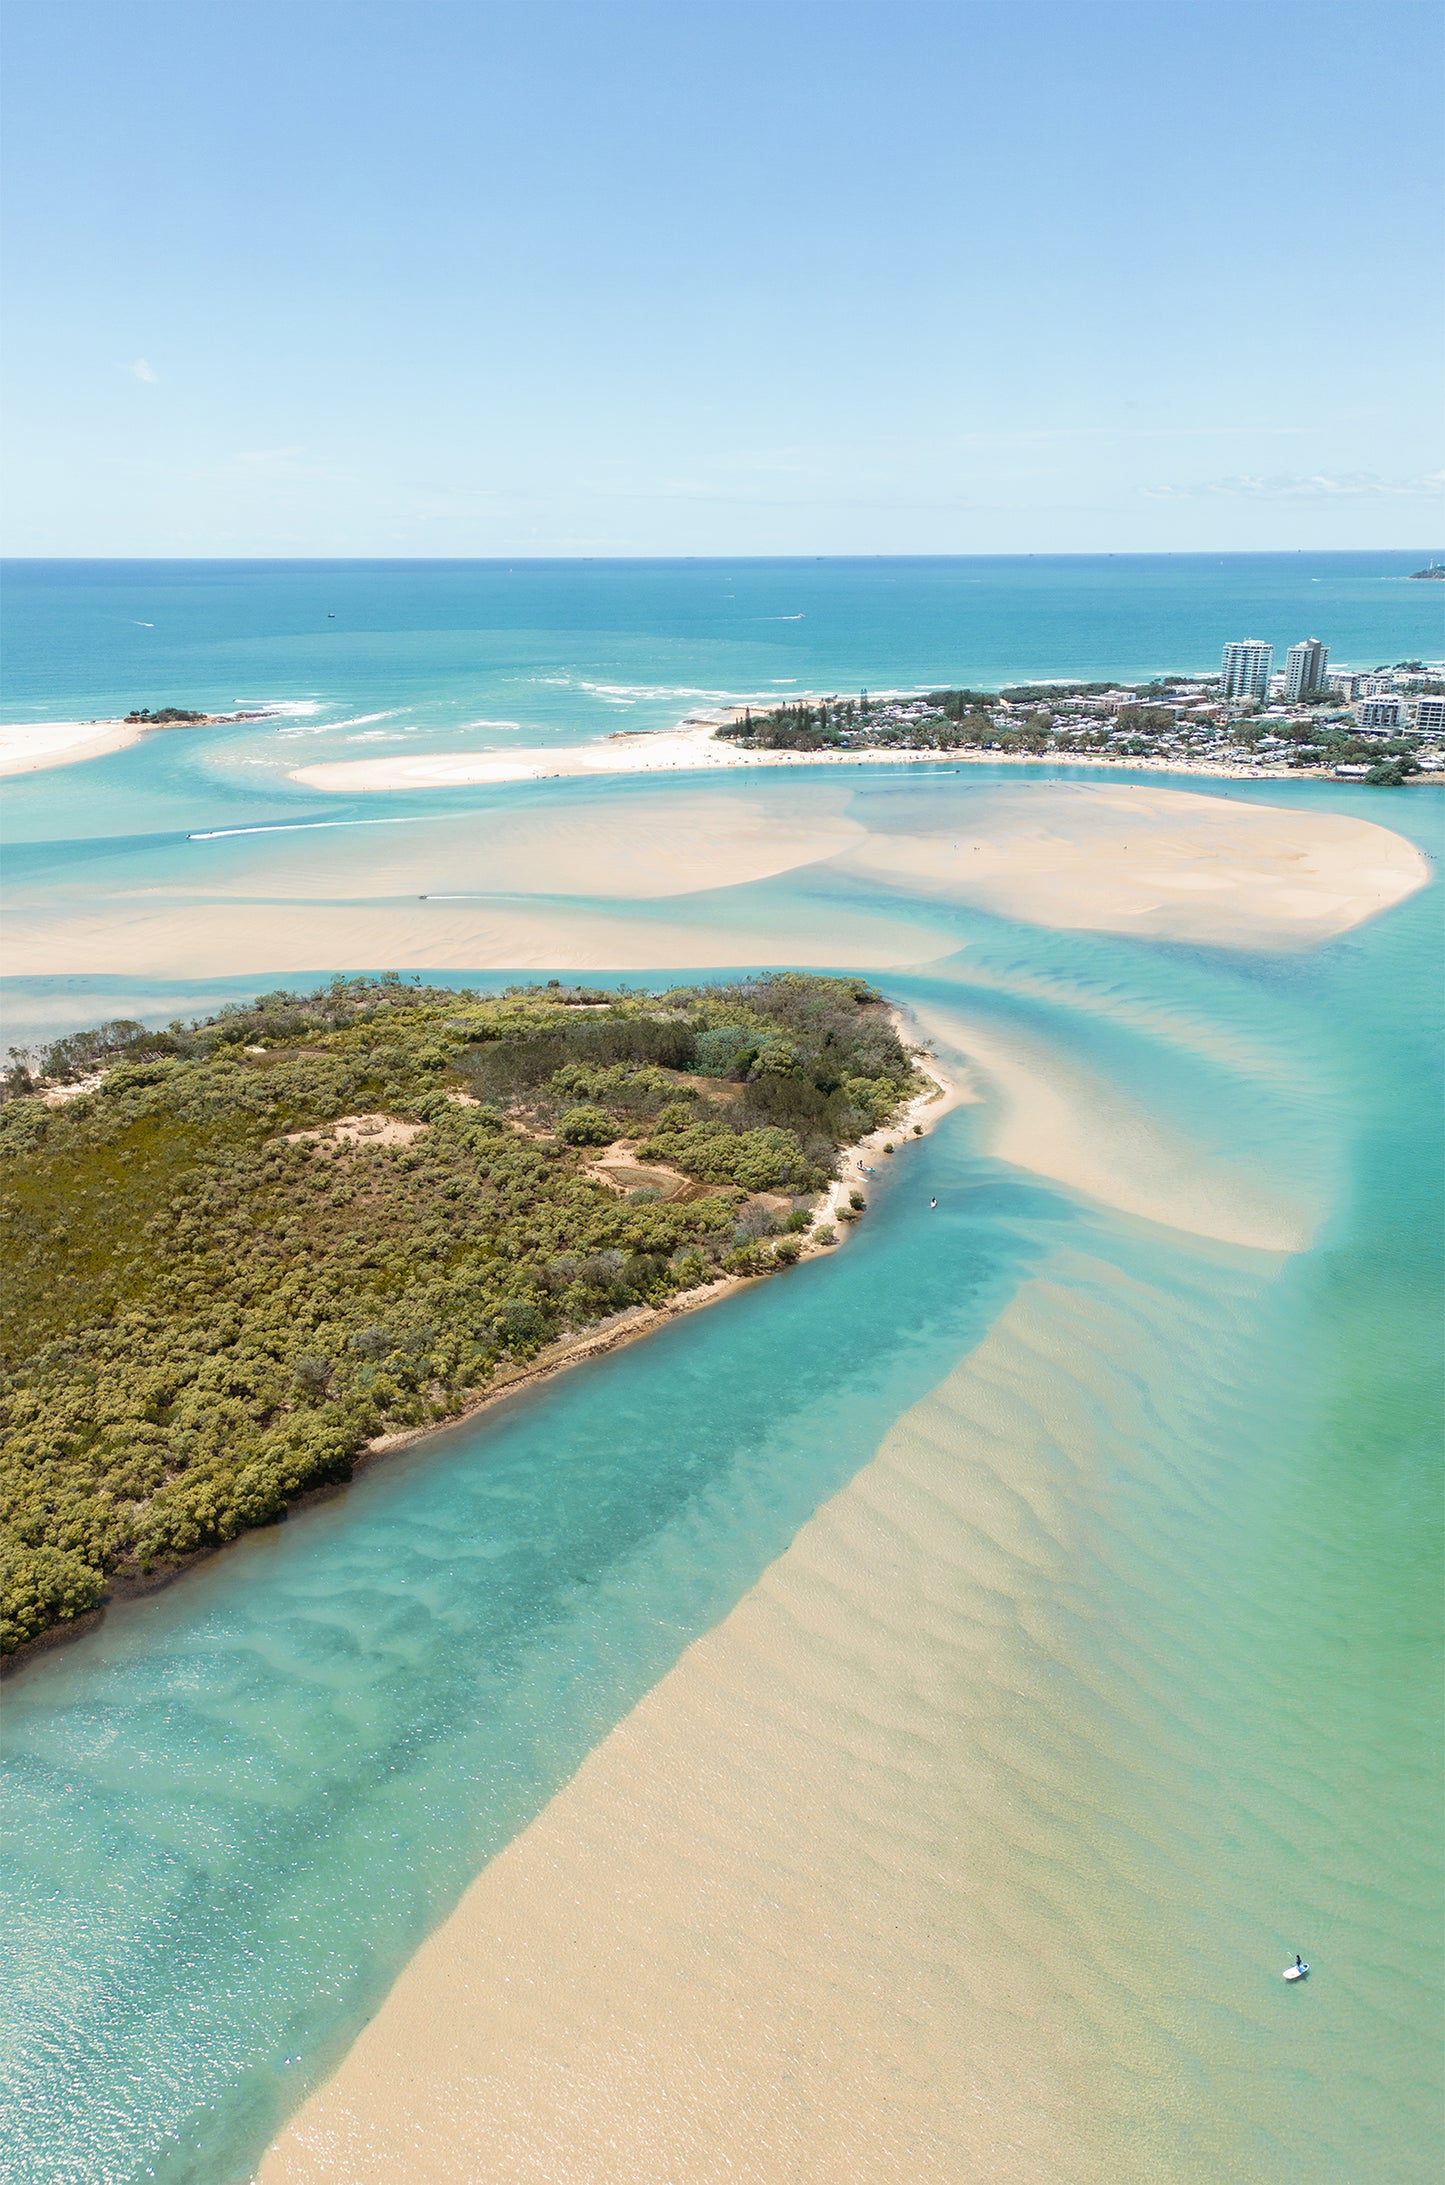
(239, 1251)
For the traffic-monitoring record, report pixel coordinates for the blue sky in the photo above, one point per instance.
(451, 277)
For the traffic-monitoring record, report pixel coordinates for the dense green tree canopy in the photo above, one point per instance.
(215, 1298)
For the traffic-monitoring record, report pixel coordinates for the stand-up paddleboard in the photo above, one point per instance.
(1298, 1971)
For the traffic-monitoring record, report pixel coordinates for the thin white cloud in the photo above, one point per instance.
(141, 370)
(1316, 485)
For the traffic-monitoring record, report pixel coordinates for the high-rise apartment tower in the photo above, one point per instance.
(1247, 667)
(1305, 668)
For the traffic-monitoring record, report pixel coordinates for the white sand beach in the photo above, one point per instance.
(693, 745)
(27, 747)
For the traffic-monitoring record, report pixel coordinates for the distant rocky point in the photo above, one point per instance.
(1435, 570)
(179, 717)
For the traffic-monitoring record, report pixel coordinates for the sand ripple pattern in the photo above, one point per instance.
(933, 1860)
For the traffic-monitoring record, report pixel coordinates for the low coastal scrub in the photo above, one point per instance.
(240, 1250)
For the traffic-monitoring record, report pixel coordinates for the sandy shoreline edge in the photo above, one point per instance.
(694, 746)
(31, 747)
(915, 1119)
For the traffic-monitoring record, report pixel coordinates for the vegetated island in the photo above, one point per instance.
(1436, 570)
(243, 1252)
(183, 717)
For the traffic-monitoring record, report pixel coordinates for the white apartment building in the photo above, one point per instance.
(1347, 681)
(1246, 669)
(1305, 668)
(1430, 715)
(1385, 711)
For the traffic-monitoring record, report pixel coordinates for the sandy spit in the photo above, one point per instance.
(27, 747)
(1049, 1113)
(695, 745)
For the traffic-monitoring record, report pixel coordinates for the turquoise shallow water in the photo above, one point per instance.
(454, 656)
(232, 1812)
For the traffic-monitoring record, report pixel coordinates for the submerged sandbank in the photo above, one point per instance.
(658, 878)
(828, 1904)
(1050, 1114)
(133, 938)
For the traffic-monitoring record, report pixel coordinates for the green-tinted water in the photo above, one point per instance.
(233, 1812)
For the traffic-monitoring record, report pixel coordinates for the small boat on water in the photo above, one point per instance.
(1298, 1971)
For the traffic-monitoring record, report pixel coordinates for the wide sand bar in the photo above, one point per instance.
(660, 876)
(1166, 863)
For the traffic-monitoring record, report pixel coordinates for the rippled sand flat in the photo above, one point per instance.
(205, 940)
(1050, 1113)
(834, 1901)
